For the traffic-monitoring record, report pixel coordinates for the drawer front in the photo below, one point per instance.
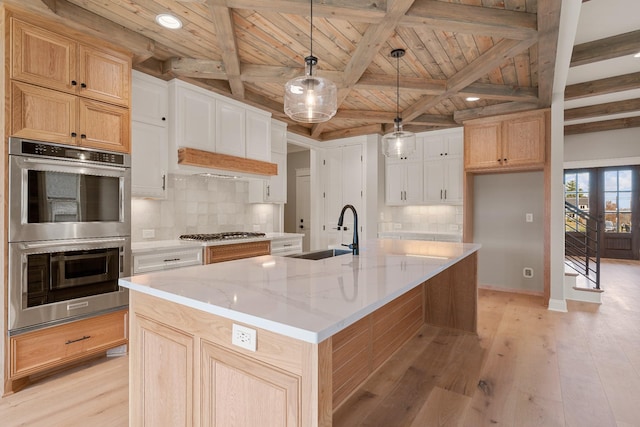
(166, 260)
(51, 347)
(230, 252)
(289, 246)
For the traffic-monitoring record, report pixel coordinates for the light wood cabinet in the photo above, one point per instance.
(68, 92)
(220, 253)
(37, 351)
(514, 142)
(52, 60)
(44, 114)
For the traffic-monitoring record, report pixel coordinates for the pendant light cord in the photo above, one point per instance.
(398, 92)
(311, 35)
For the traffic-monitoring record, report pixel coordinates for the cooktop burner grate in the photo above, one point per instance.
(221, 236)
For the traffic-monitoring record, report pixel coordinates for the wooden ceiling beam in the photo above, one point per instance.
(346, 133)
(491, 59)
(607, 48)
(368, 47)
(500, 92)
(602, 86)
(274, 74)
(459, 18)
(492, 110)
(432, 120)
(226, 37)
(195, 68)
(415, 84)
(600, 110)
(548, 32)
(81, 19)
(626, 123)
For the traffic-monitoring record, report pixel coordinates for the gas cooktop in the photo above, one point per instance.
(221, 236)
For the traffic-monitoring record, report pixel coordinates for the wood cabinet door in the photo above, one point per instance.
(104, 126)
(482, 146)
(220, 253)
(43, 58)
(237, 390)
(524, 141)
(43, 114)
(161, 389)
(104, 76)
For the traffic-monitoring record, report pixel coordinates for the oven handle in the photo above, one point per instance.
(71, 242)
(42, 161)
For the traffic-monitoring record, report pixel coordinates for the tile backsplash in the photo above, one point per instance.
(200, 204)
(434, 219)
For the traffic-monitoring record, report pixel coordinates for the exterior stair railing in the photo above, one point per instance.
(582, 243)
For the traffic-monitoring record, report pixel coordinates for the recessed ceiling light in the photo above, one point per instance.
(472, 98)
(168, 21)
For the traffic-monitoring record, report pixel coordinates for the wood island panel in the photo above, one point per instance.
(220, 253)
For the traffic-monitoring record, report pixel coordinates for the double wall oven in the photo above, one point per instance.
(69, 232)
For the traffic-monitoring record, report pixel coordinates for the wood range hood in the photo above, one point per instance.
(225, 162)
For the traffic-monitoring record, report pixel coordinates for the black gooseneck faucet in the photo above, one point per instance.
(353, 246)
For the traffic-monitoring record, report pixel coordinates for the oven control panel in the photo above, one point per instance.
(58, 151)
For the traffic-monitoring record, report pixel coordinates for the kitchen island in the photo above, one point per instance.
(314, 330)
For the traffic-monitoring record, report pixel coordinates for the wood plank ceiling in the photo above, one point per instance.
(502, 51)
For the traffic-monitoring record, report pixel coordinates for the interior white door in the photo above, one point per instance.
(303, 207)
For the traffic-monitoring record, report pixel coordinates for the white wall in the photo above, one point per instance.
(610, 148)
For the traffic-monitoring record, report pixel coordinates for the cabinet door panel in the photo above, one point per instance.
(41, 57)
(434, 177)
(104, 76)
(453, 180)
(230, 129)
(164, 375)
(395, 178)
(239, 391)
(149, 100)
(43, 114)
(105, 126)
(482, 146)
(149, 147)
(258, 136)
(414, 183)
(194, 119)
(523, 138)
(277, 185)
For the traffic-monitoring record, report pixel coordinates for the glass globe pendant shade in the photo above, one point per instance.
(309, 98)
(398, 144)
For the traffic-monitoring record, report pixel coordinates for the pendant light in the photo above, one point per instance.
(398, 143)
(309, 98)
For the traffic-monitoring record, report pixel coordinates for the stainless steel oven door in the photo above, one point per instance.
(60, 199)
(53, 282)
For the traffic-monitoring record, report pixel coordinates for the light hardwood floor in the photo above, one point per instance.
(527, 367)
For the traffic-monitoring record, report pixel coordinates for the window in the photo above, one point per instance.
(576, 192)
(617, 201)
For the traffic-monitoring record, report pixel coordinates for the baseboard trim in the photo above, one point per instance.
(558, 305)
(510, 290)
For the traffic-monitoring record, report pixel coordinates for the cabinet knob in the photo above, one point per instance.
(83, 136)
(83, 85)
(74, 83)
(73, 134)
(504, 160)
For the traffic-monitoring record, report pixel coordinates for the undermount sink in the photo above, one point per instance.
(322, 254)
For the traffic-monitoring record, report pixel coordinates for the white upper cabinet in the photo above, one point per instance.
(149, 136)
(443, 167)
(204, 120)
(192, 116)
(272, 189)
(259, 139)
(149, 99)
(230, 129)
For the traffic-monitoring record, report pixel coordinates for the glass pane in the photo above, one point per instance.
(625, 223)
(624, 180)
(611, 181)
(583, 184)
(570, 182)
(624, 202)
(610, 202)
(610, 223)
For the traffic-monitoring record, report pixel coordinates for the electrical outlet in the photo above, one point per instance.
(527, 272)
(244, 337)
(529, 217)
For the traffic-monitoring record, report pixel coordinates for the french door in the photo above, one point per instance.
(612, 195)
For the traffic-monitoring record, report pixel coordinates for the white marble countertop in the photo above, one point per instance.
(304, 299)
(435, 235)
(161, 245)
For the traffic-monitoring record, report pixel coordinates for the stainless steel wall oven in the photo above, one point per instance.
(69, 232)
